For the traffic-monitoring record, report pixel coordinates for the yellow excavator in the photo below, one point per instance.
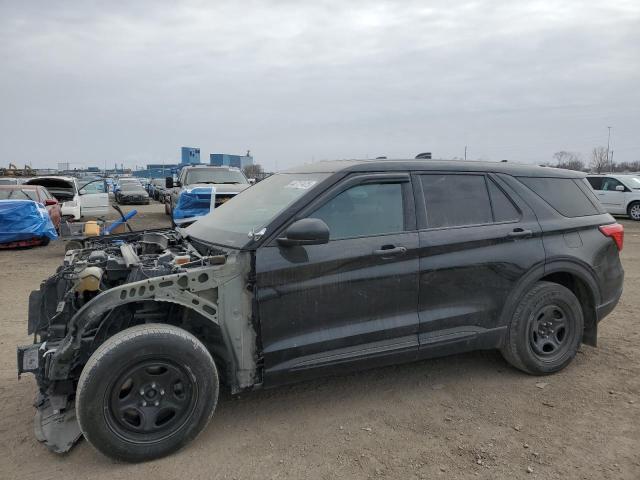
(14, 171)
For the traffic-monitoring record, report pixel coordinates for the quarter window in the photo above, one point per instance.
(503, 208)
(364, 210)
(456, 200)
(563, 194)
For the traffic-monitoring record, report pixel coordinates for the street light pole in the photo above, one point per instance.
(608, 141)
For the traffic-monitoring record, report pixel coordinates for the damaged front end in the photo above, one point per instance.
(120, 281)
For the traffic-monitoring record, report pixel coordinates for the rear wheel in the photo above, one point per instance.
(146, 392)
(546, 330)
(634, 211)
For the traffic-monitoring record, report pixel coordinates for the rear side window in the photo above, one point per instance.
(456, 200)
(364, 210)
(595, 182)
(563, 194)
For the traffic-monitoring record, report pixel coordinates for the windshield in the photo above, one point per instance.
(210, 175)
(132, 187)
(18, 195)
(97, 186)
(634, 182)
(253, 209)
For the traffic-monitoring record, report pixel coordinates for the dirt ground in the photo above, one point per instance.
(467, 416)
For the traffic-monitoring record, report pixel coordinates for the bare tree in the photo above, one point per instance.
(599, 160)
(568, 160)
(253, 171)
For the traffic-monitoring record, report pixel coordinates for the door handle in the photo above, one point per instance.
(390, 251)
(520, 233)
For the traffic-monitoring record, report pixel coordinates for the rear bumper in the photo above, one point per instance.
(606, 308)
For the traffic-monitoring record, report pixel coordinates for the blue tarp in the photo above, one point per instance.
(24, 220)
(194, 202)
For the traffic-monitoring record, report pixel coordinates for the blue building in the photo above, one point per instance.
(157, 170)
(190, 156)
(224, 159)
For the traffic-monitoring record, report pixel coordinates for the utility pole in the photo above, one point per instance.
(611, 161)
(608, 160)
(465, 152)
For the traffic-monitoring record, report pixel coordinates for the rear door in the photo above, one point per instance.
(477, 240)
(350, 301)
(94, 199)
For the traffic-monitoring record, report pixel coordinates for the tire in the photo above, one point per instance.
(633, 210)
(146, 392)
(545, 331)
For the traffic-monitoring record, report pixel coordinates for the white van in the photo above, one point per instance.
(87, 199)
(618, 194)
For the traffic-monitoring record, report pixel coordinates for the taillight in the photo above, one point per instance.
(615, 231)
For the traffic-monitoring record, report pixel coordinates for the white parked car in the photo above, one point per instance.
(618, 194)
(77, 199)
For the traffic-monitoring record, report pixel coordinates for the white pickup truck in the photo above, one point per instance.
(228, 181)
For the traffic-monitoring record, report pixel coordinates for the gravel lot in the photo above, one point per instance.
(468, 416)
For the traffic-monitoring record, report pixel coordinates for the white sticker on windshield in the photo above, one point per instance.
(301, 184)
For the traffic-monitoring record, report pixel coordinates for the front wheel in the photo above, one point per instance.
(545, 331)
(146, 392)
(634, 211)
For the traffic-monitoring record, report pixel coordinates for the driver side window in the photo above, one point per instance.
(364, 210)
(610, 184)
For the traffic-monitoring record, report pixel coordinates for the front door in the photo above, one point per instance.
(352, 301)
(611, 198)
(476, 242)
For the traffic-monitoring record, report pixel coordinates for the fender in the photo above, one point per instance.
(571, 266)
(205, 290)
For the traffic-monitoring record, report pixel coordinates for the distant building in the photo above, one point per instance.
(190, 156)
(158, 170)
(224, 159)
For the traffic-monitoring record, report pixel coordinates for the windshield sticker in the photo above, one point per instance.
(301, 184)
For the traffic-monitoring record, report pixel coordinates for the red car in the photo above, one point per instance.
(36, 193)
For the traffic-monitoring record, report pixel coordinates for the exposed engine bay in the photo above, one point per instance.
(116, 282)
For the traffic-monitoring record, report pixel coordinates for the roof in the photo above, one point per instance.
(213, 167)
(614, 175)
(53, 177)
(515, 169)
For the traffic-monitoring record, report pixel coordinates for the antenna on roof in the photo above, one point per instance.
(381, 158)
(424, 156)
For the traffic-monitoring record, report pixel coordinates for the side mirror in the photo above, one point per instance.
(168, 182)
(308, 231)
(252, 181)
(619, 188)
(82, 191)
(49, 201)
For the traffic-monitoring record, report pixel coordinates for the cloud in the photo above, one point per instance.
(91, 82)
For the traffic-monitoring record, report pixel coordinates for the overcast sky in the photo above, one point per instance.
(132, 81)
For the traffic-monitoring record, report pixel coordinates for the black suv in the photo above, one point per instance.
(314, 271)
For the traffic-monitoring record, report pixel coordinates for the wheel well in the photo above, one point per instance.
(137, 313)
(633, 202)
(586, 297)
